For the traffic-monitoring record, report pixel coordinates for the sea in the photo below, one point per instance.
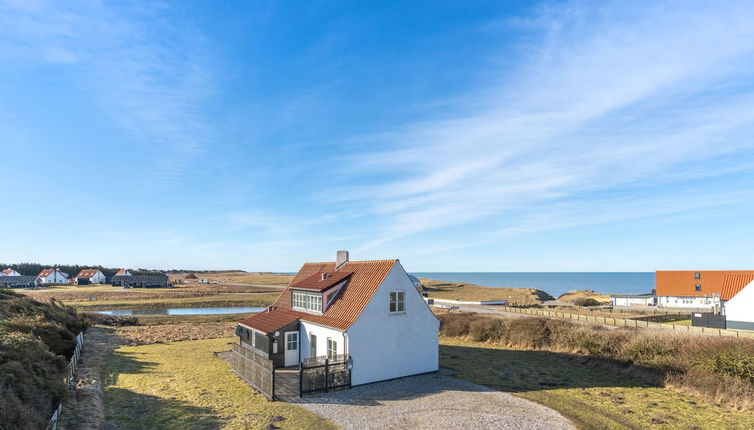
(554, 283)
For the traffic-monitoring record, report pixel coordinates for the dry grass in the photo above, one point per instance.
(581, 296)
(241, 277)
(470, 292)
(592, 397)
(185, 385)
(166, 333)
(719, 370)
(219, 300)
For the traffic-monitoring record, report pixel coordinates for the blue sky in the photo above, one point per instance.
(456, 136)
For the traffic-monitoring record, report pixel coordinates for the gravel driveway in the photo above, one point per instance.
(431, 401)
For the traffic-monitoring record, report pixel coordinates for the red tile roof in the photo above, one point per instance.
(365, 278)
(734, 283)
(121, 272)
(269, 321)
(8, 271)
(315, 281)
(682, 283)
(87, 273)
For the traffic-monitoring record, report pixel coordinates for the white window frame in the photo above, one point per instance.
(288, 342)
(332, 348)
(306, 301)
(397, 302)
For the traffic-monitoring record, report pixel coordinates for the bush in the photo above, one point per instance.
(717, 369)
(36, 342)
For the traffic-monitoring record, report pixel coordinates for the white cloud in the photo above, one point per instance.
(610, 96)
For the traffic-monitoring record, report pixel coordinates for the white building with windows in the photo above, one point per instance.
(368, 311)
(53, 277)
(89, 276)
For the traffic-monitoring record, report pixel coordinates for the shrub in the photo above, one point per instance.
(717, 369)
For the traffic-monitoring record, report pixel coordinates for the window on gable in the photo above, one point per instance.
(698, 287)
(697, 275)
(397, 303)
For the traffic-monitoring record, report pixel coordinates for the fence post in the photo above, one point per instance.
(327, 373)
(273, 384)
(300, 379)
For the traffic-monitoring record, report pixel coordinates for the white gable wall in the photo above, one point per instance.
(386, 346)
(98, 278)
(54, 278)
(739, 311)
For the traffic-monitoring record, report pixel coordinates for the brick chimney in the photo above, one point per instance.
(340, 259)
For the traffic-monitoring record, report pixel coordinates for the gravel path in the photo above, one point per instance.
(429, 402)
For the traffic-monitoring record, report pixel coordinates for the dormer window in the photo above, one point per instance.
(307, 301)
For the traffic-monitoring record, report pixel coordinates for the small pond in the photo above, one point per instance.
(184, 311)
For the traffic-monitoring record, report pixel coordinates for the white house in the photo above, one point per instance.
(10, 272)
(739, 310)
(368, 310)
(622, 300)
(123, 272)
(89, 276)
(53, 276)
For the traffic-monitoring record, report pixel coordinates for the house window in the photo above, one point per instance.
(307, 301)
(292, 341)
(698, 287)
(397, 303)
(332, 348)
(697, 275)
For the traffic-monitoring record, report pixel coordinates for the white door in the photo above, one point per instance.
(291, 348)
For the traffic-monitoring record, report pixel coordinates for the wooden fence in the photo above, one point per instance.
(626, 322)
(69, 380)
(254, 368)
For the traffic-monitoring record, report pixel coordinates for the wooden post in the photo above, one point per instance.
(300, 379)
(327, 372)
(272, 395)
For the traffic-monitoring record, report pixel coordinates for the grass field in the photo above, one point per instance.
(187, 302)
(471, 292)
(183, 385)
(591, 397)
(241, 277)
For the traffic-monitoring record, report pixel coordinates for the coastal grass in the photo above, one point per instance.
(592, 397)
(715, 370)
(470, 292)
(241, 277)
(184, 385)
(221, 300)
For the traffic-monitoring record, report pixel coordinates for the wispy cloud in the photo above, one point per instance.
(150, 75)
(605, 97)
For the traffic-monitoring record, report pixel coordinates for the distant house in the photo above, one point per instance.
(622, 300)
(368, 312)
(53, 277)
(18, 281)
(123, 272)
(141, 281)
(704, 289)
(89, 276)
(10, 272)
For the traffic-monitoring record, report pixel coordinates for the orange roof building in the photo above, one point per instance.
(367, 310)
(699, 289)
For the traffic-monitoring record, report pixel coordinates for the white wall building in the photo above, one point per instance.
(53, 277)
(739, 310)
(89, 276)
(10, 272)
(368, 310)
(626, 300)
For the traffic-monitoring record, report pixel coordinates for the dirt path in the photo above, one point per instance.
(429, 402)
(85, 409)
